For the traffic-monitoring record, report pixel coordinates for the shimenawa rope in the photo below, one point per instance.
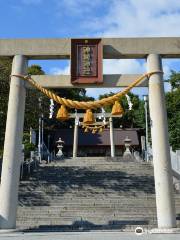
(84, 105)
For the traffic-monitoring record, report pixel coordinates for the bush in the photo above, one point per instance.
(28, 147)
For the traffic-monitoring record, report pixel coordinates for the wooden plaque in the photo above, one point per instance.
(86, 61)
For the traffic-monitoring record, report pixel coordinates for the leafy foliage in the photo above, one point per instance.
(132, 118)
(5, 71)
(173, 110)
(28, 147)
(33, 109)
(174, 80)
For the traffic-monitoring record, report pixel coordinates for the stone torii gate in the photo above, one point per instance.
(152, 49)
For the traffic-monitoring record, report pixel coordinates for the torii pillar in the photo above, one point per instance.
(13, 146)
(75, 142)
(160, 145)
(112, 137)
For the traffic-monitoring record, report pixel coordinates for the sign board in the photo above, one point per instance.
(86, 61)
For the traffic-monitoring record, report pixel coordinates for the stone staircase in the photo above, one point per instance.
(89, 194)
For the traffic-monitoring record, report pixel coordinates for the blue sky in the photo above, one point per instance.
(79, 18)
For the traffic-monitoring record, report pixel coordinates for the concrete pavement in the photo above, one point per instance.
(86, 236)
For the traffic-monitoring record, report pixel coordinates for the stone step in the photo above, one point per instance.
(110, 159)
(95, 204)
(45, 201)
(118, 172)
(92, 208)
(71, 220)
(94, 198)
(98, 211)
(115, 207)
(84, 214)
(69, 226)
(90, 196)
(91, 184)
(89, 193)
(61, 189)
(74, 192)
(99, 162)
(93, 214)
(105, 214)
(94, 220)
(90, 200)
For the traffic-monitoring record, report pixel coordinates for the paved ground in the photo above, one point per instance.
(87, 236)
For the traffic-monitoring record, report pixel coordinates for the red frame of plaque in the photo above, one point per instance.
(86, 61)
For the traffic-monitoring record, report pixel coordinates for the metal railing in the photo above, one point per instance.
(46, 154)
(29, 164)
(175, 161)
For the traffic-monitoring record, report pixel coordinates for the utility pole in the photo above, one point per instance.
(146, 120)
(42, 134)
(39, 137)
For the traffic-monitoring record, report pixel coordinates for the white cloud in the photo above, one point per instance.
(140, 18)
(123, 66)
(110, 66)
(129, 18)
(60, 71)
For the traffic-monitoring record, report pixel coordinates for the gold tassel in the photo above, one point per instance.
(94, 131)
(86, 130)
(88, 117)
(100, 130)
(117, 109)
(62, 113)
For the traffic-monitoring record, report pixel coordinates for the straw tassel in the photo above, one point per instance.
(117, 109)
(94, 131)
(62, 113)
(100, 130)
(86, 130)
(88, 117)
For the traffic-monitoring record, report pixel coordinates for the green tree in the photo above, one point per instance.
(32, 95)
(35, 69)
(174, 80)
(131, 118)
(78, 94)
(173, 110)
(32, 110)
(5, 71)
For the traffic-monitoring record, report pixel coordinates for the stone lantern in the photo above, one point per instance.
(60, 144)
(127, 153)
